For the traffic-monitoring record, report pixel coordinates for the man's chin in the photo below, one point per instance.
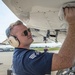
(32, 40)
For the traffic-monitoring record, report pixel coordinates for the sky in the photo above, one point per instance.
(6, 18)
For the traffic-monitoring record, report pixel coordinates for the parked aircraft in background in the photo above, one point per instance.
(6, 48)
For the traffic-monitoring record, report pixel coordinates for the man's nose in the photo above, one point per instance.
(29, 33)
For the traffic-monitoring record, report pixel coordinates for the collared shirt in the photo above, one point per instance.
(31, 62)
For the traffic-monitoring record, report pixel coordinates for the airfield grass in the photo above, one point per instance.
(49, 49)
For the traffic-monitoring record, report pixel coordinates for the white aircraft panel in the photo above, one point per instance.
(40, 14)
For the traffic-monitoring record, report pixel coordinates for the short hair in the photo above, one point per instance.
(8, 30)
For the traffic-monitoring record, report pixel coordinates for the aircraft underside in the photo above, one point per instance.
(42, 17)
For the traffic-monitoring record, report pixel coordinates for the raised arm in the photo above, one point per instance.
(65, 57)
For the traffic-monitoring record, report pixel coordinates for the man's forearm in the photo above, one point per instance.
(68, 48)
(66, 55)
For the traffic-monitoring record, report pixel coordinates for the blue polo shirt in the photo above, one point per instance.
(31, 62)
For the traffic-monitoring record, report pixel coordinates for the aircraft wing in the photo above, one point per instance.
(41, 16)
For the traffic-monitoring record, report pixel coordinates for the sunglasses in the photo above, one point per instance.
(26, 31)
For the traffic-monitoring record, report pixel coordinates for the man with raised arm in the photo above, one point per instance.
(31, 62)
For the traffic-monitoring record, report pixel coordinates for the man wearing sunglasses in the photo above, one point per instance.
(31, 62)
